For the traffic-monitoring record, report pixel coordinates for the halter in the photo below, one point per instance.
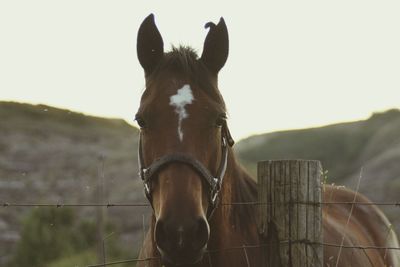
(214, 182)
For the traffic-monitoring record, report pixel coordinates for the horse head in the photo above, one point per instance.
(183, 140)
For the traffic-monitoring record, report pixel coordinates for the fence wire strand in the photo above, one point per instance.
(245, 247)
(110, 205)
(123, 261)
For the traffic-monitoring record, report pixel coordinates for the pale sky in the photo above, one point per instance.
(292, 64)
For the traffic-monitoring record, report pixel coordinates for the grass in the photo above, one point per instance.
(82, 259)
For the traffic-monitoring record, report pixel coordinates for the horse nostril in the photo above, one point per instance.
(201, 234)
(160, 235)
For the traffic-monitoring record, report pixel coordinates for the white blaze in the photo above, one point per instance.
(182, 98)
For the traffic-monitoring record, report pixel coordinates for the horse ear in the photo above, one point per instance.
(150, 45)
(216, 46)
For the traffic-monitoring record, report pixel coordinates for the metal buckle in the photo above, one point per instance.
(224, 144)
(146, 189)
(142, 173)
(214, 196)
(216, 181)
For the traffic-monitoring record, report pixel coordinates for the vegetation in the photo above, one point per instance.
(59, 156)
(80, 259)
(50, 233)
(56, 237)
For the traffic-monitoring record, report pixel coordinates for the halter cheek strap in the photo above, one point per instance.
(214, 182)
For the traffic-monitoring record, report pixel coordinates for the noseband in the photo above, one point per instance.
(214, 182)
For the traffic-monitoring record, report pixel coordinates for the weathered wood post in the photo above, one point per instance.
(290, 219)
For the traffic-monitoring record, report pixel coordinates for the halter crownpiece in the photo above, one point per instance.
(214, 182)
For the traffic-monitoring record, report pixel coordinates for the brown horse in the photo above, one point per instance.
(189, 169)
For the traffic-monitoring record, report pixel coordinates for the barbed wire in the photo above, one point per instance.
(110, 205)
(123, 261)
(145, 204)
(60, 205)
(307, 242)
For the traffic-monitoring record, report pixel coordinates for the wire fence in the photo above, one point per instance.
(244, 247)
(101, 204)
(110, 205)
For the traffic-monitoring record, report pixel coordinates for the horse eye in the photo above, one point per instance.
(140, 122)
(220, 121)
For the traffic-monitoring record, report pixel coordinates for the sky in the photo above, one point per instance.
(292, 64)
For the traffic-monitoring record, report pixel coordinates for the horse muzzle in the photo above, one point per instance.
(181, 243)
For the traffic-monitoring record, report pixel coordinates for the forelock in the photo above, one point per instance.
(184, 62)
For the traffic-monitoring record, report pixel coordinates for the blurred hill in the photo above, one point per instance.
(50, 155)
(345, 148)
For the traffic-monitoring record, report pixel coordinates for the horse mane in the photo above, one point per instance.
(244, 190)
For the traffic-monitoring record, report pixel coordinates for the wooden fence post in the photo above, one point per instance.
(290, 221)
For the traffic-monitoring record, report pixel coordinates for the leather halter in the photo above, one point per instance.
(214, 182)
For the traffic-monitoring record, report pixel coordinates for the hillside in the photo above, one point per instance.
(49, 155)
(372, 144)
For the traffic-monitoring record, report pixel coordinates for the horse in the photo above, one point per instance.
(190, 172)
